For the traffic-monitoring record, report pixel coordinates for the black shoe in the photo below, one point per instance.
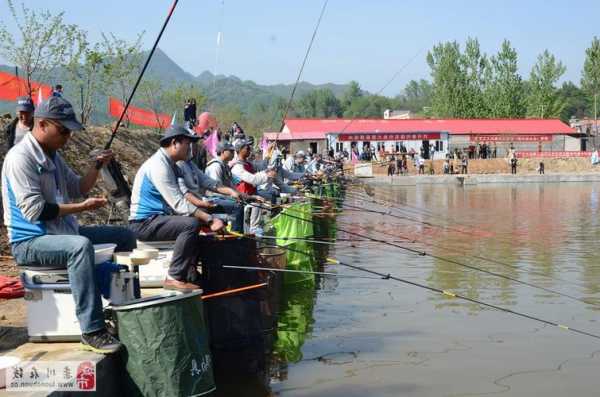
(100, 342)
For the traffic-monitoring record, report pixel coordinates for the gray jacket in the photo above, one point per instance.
(30, 179)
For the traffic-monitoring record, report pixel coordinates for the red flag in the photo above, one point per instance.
(12, 87)
(138, 116)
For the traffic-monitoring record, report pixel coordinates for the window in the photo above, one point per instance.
(439, 146)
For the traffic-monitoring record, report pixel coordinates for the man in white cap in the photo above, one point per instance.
(22, 124)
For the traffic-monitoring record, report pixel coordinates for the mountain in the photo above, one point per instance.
(220, 90)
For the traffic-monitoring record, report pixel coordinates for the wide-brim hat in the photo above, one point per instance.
(178, 130)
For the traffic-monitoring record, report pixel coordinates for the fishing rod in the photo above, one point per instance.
(310, 44)
(494, 261)
(478, 257)
(118, 188)
(448, 293)
(269, 269)
(474, 231)
(454, 262)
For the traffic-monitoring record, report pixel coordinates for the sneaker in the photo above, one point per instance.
(101, 342)
(181, 286)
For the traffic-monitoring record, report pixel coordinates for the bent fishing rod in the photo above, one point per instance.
(447, 260)
(446, 293)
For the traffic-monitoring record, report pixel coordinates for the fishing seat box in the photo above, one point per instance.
(50, 305)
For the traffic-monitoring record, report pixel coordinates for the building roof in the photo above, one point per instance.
(299, 129)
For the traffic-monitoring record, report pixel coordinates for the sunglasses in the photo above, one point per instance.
(61, 128)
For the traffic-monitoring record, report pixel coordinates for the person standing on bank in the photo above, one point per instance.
(39, 192)
(513, 165)
(22, 124)
(159, 210)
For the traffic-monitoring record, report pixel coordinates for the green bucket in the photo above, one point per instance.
(168, 351)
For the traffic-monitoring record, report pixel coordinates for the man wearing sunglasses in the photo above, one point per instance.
(41, 194)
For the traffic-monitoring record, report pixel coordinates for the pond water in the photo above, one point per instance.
(352, 336)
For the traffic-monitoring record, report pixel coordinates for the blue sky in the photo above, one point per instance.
(368, 41)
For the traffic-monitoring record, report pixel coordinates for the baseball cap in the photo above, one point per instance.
(223, 146)
(24, 104)
(59, 109)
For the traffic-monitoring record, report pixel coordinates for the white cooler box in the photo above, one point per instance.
(50, 305)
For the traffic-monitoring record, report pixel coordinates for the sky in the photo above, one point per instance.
(368, 41)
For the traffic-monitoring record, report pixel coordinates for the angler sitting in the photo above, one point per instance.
(159, 210)
(195, 186)
(296, 163)
(246, 178)
(38, 192)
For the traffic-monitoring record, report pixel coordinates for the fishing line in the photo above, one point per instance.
(475, 268)
(310, 44)
(450, 294)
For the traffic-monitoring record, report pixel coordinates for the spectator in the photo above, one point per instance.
(57, 90)
(464, 165)
(513, 165)
(541, 167)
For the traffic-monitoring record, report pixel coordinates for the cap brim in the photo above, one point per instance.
(25, 109)
(72, 125)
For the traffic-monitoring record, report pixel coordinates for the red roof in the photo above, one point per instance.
(318, 128)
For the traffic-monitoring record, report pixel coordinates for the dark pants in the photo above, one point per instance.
(229, 207)
(269, 195)
(184, 230)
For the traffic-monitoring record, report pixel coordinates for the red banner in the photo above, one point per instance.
(529, 155)
(12, 87)
(138, 116)
(511, 138)
(390, 136)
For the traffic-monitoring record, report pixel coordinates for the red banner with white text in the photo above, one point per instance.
(12, 87)
(563, 154)
(138, 116)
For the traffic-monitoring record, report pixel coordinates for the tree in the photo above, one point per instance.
(319, 103)
(590, 79)
(351, 94)
(448, 80)
(416, 96)
(543, 100)
(173, 99)
(369, 106)
(45, 43)
(504, 94)
(576, 102)
(84, 74)
(122, 62)
(474, 66)
(151, 93)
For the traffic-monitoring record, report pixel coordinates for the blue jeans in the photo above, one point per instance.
(76, 254)
(229, 207)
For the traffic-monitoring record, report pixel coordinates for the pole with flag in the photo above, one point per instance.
(40, 96)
